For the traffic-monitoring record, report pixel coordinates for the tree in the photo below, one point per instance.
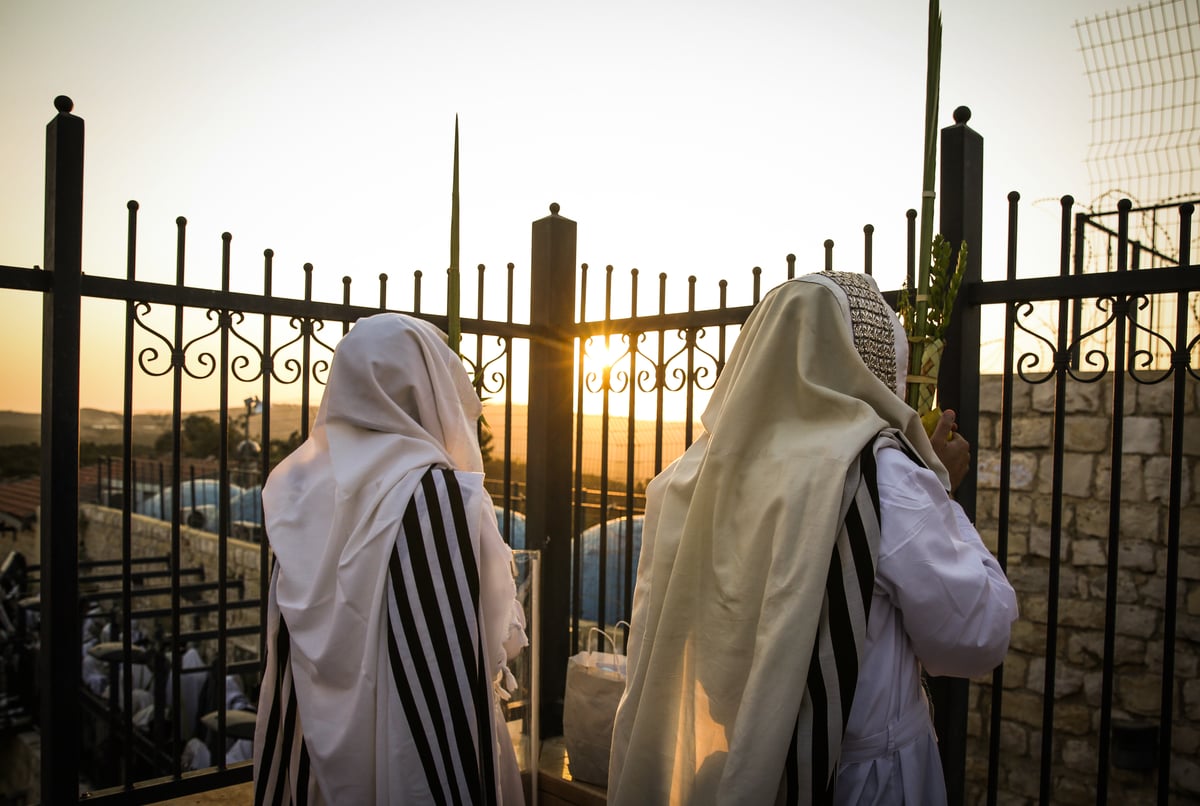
(20, 461)
(280, 448)
(200, 438)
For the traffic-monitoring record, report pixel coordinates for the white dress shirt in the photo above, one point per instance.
(940, 601)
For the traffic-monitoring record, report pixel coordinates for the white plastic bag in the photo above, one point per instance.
(595, 683)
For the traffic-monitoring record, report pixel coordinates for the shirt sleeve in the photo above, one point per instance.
(957, 605)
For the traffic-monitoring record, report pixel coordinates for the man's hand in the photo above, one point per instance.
(951, 448)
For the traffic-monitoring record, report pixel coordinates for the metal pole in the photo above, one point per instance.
(59, 659)
(958, 389)
(548, 468)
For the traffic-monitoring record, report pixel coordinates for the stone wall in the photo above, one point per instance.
(1140, 595)
(100, 538)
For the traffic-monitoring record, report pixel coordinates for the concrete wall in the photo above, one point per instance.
(1141, 585)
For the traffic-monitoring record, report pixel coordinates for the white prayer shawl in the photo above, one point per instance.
(740, 533)
(397, 404)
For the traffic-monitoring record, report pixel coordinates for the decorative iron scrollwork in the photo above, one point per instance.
(1098, 361)
(603, 381)
(479, 373)
(691, 364)
(1142, 358)
(305, 328)
(240, 361)
(148, 355)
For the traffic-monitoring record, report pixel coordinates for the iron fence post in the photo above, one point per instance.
(59, 659)
(548, 459)
(961, 221)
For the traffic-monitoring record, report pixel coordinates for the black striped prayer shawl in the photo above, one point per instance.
(811, 767)
(442, 683)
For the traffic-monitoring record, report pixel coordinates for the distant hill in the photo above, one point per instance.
(19, 428)
(100, 427)
(104, 428)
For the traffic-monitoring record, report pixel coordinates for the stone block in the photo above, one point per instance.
(988, 438)
(1140, 695)
(1034, 607)
(1022, 707)
(1027, 637)
(1189, 518)
(1191, 700)
(1138, 621)
(1024, 788)
(1027, 579)
(1142, 521)
(1187, 661)
(990, 537)
(1068, 679)
(1137, 555)
(1031, 431)
(1154, 398)
(1185, 740)
(1192, 606)
(1045, 474)
(1087, 434)
(1191, 436)
(1093, 688)
(1127, 589)
(1084, 647)
(1072, 718)
(1132, 484)
(987, 502)
(1152, 590)
(1142, 435)
(1078, 470)
(1089, 553)
(1189, 564)
(1080, 613)
(1039, 543)
(1079, 754)
(1041, 509)
(1014, 739)
(1157, 477)
(1020, 506)
(1080, 397)
(1070, 790)
(1185, 778)
(1018, 541)
(990, 393)
(1016, 668)
(1022, 470)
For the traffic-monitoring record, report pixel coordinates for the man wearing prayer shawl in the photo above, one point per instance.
(392, 609)
(800, 563)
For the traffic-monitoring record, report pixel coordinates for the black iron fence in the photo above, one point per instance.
(607, 403)
(1101, 565)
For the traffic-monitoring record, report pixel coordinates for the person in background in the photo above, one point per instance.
(392, 610)
(800, 563)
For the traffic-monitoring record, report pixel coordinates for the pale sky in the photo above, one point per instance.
(696, 138)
